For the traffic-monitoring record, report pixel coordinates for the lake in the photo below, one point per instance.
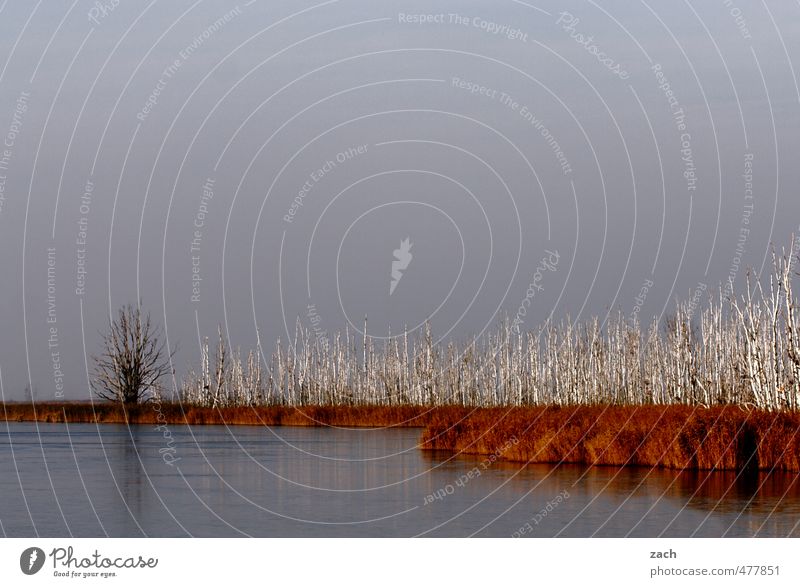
(87, 480)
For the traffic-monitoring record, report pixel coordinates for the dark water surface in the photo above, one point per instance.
(88, 480)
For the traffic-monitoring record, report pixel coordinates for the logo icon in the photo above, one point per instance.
(31, 560)
(402, 257)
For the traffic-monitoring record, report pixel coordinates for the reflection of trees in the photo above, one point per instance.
(730, 492)
(129, 476)
(733, 492)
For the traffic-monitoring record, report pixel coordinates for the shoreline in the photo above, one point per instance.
(174, 413)
(673, 436)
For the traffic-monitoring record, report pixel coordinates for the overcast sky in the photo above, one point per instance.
(235, 163)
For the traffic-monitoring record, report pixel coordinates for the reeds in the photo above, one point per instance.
(158, 413)
(743, 351)
(677, 437)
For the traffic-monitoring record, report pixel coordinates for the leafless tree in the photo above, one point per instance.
(133, 361)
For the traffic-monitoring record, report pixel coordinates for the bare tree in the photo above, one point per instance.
(133, 361)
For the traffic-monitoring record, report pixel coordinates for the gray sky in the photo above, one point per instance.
(492, 136)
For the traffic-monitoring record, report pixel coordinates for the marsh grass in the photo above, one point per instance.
(677, 437)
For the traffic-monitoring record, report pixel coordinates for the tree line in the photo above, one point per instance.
(741, 350)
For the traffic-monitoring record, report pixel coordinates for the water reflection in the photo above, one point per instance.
(326, 482)
(128, 468)
(726, 491)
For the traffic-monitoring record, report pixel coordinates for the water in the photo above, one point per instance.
(112, 480)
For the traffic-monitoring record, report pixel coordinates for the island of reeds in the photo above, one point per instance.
(716, 387)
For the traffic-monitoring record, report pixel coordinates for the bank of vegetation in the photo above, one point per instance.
(677, 437)
(733, 351)
(716, 387)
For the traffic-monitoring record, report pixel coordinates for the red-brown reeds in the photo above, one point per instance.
(673, 436)
(680, 437)
(174, 413)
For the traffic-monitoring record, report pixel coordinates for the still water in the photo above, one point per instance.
(86, 480)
